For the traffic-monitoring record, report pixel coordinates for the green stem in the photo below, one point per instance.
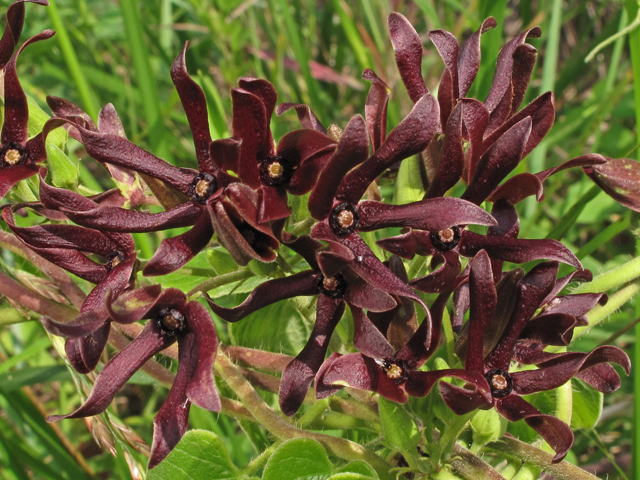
(600, 312)
(471, 466)
(443, 448)
(536, 457)
(528, 472)
(278, 427)
(9, 316)
(621, 33)
(220, 280)
(260, 461)
(612, 279)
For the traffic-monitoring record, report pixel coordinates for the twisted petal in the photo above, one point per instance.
(503, 156)
(53, 198)
(407, 245)
(305, 115)
(367, 338)
(299, 284)
(375, 110)
(362, 294)
(116, 373)
(411, 136)
(273, 204)
(433, 214)
(475, 117)
(298, 375)
(11, 35)
(465, 399)
(585, 161)
(553, 329)
(132, 305)
(440, 279)
(352, 150)
(577, 305)
(408, 51)
(307, 151)
(175, 252)
(250, 124)
(517, 188)
(73, 350)
(84, 353)
(555, 432)
(469, 56)
(483, 304)
(10, 176)
(447, 47)
(451, 163)
(421, 383)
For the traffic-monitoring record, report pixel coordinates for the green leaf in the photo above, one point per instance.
(399, 429)
(409, 186)
(262, 269)
(587, 405)
(487, 426)
(298, 459)
(64, 171)
(349, 476)
(199, 455)
(359, 467)
(220, 261)
(28, 376)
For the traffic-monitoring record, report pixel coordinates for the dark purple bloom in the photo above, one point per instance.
(171, 318)
(503, 326)
(68, 246)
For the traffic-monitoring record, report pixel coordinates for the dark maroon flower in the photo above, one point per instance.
(172, 319)
(291, 166)
(68, 246)
(501, 243)
(503, 326)
(19, 156)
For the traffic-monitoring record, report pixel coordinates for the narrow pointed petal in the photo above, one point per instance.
(503, 156)
(250, 124)
(475, 117)
(175, 252)
(132, 305)
(447, 46)
(440, 279)
(452, 159)
(408, 51)
(300, 145)
(553, 329)
(421, 383)
(201, 388)
(195, 106)
(414, 242)
(12, 31)
(305, 115)
(524, 59)
(72, 348)
(585, 161)
(375, 110)
(352, 150)
(300, 284)
(119, 370)
(66, 109)
(410, 137)
(324, 390)
(117, 219)
(305, 178)
(225, 153)
(556, 433)
(109, 121)
(433, 214)
(367, 339)
(603, 377)
(54, 198)
(517, 188)
(92, 346)
(361, 372)
(16, 108)
(446, 98)
(299, 374)
(469, 56)
(483, 304)
(576, 304)
(362, 294)
(264, 90)
(461, 400)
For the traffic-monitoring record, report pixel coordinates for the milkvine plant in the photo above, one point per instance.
(430, 323)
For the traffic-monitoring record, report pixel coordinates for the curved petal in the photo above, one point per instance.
(421, 383)
(250, 124)
(13, 29)
(119, 370)
(461, 400)
(517, 188)
(475, 117)
(588, 160)
(556, 433)
(92, 346)
(195, 106)
(469, 56)
(367, 339)
(483, 302)
(305, 115)
(298, 375)
(440, 279)
(620, 179)
(10, 176)
(300, 284)
(447, 46)
(452, 159)
(363, 295)
(577, 304)
(375, 109)
(132, 305)
(411, 136)
(72, 348)
(432, 214)
(408, 52)
(553, 329)
(305, 177)
(414, 242)
(352, 150)
(54, 198)
(174, 252)
(299, 145)
(324, 390)
(273, 204)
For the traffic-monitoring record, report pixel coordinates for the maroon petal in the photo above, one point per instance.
(469, 56)
(119, 370)
(409, 244)
(361, 372)
(324, 390)
(273, 204)
(532, 289)
(517, 188)
(620, 179)
(72, 348)
(446, 98)
(362, 294)
(475, 117)
(553, 329)
(352, 150)
(367, 339)
(132, 305)
(201, 389)
(66, 109)
(421, 383)
(462, 400)
(411, 136)
(305, 177)
(375, 110)
(483, 302)
(576, 304)
(54, 198)
(447, 47)
(408, 51)
(11, 35)
(452, 159)
(250, 124)
(556, 433)
(503, 156)
(524, 59)
(175, 252)
(440, 279)
(588, 160)
(300, 284)
(603, 377)
(195, 106)
(10, 176)
(116, 219)
(263, 90)
(305, 115)
(432, 214)
(92, 346)
(298, 375)
(16, 108)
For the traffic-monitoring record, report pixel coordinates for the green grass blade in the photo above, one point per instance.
(569, 218)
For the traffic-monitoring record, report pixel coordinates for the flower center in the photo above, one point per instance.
(202, 187)
(114, 259)
(11, 155)
(395, 370)
(275, 170)
(332, 287)
(500, 382)
(171, 321)
(344, 219)
(446, 239)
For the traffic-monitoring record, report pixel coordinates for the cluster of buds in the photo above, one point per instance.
(240, 193)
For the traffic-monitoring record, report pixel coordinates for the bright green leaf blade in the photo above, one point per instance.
(298, 459)
(400, 431)
(587, 405)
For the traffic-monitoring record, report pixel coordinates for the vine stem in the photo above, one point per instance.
(220, 280)
(538, 458)
(471, 466)
(281, 429)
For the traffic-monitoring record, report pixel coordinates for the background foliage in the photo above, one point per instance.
(313, 52)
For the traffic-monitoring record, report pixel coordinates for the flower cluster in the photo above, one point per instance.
(504, 320)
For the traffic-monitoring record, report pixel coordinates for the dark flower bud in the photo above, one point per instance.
(332, 287)
(446, 239)
(275, 170)
(202, 187)
(344, 219)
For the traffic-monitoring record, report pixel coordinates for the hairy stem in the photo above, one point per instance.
(221, 280)
(471, 466)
